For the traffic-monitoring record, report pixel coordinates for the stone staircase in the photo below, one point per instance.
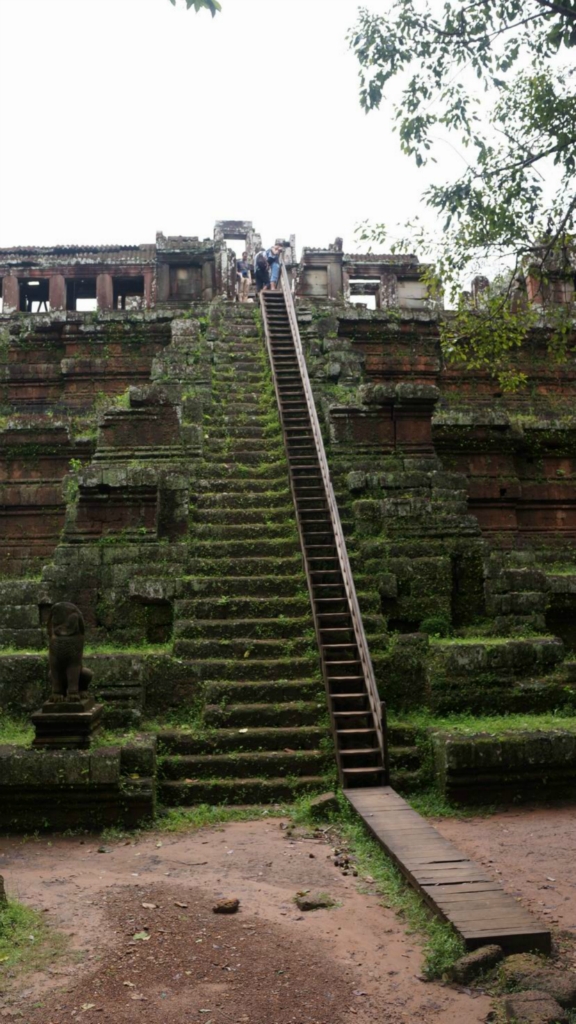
(243, 624)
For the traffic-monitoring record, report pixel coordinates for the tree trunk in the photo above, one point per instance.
(3, 900)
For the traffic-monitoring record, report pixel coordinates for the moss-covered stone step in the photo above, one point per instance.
(243, 354)
(248, 432)
(203, 520)
(503, 657)
(519, 764)
(404, 734)
(249, 380)
(501, 695)
(405, 758)
(269, 764)
(19, 592)
(237, 791)
(259, 585)
(406, 782)
(233, 400)
(243, 410)
(252, 628)
(264, 691)
(239, 455)
(209, 531)
(244, 648)
(22, 639)
(240, 498)
(233, 470)
(245, 607)
(225, 447)
(261, 715)
(302, 737)
(19, 616)
(275, 669)
(250, 486)
(248, 566)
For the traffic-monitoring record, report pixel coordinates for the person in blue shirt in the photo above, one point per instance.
(273, 257)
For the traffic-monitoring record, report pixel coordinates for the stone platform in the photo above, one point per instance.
(67, 724)
(81, 789)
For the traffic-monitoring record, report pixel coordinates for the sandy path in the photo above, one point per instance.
(354, 963)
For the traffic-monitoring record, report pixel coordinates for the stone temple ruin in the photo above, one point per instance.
(145, 476)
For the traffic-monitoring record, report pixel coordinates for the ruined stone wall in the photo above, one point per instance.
(516, 450)
(58, 373)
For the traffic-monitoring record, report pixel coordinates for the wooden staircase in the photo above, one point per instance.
(355, 708)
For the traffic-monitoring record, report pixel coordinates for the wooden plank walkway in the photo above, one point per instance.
(456, 888)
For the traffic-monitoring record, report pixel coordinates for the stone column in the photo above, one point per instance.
(163, 283)
(57, 292)
(387, 297)
(104, 291)
(335, 278)
(11, 294)
(208, 275)
(148, 279)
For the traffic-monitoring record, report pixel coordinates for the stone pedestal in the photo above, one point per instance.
(62, 725)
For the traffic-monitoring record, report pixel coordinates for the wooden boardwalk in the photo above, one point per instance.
(457, 888)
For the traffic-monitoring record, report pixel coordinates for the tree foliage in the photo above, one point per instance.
(491, 77)
(211, 5)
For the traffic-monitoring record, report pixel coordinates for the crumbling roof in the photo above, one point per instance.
(47, 250)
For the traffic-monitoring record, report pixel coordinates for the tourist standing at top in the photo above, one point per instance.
(261, 271)
(273, 257)
(244, 276)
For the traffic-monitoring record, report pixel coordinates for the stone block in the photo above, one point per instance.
(471, 965)
(388, 585)
(524, 971)
(321, 807)
(356, 482)
(17, 616)
(534, 1008)
(23, 681)
(481, 767)
(139, 757)
(105, 766)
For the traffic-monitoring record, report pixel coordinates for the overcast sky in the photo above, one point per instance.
(121, 118)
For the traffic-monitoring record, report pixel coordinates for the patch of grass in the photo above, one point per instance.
(26, 940)
(497, 725)
(139, 648)
(442, 946)
(431, 804)
(17, 731)
(182, 819)
(487, 641)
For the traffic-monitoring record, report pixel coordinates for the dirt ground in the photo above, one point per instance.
(175, 962)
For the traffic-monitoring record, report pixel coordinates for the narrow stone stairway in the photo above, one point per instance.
(244, 626)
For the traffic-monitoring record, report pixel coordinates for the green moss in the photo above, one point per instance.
(497, 725)
(16, 731)
(26, 941)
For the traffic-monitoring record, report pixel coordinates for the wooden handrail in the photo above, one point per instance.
(344, 562)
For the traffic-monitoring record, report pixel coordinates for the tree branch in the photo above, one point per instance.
(566, 12)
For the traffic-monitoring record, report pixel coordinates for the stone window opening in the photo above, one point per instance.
(34, 296)
(364, 291)
(81, 294)
(129, 292)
